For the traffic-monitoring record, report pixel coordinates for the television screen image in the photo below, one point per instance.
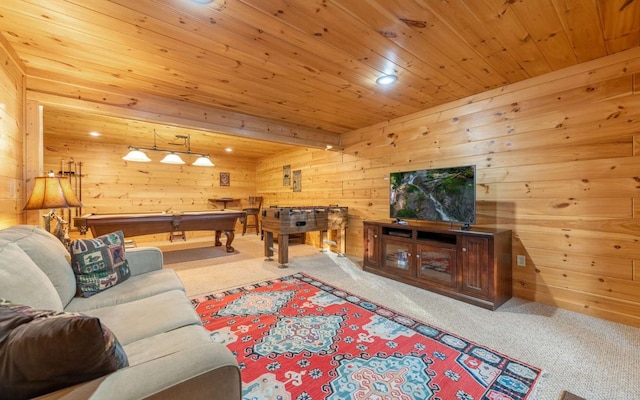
(440, 194)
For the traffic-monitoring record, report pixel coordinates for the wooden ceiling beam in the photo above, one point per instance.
(117, 102)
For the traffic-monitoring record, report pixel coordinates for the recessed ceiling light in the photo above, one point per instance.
(94, 134)
(386, 79)
(202, 1)
(228, 149)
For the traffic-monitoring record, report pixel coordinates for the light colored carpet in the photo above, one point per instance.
(592, 358)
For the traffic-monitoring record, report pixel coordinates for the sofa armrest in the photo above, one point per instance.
(144, 259)
(208, 371)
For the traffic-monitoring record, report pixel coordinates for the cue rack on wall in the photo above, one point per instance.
(73, 170)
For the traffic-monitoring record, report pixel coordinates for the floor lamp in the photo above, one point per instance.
(51, 192)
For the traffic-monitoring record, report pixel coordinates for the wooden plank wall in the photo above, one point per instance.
(112, 185)
(11, 137)
(557, 160)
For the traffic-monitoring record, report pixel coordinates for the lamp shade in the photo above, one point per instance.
(172, 158)
(52, 192)
(136, 155)
(203, 162)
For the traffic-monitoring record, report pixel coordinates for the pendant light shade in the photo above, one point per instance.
(203, 162)
(172, 158)
(136, 155)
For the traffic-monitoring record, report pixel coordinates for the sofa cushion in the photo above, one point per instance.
(99, 263)
(164, 344)
(23, 282)
(144, 259)
(48, 253)
(135, 288)
(147, 317)
(43, 351)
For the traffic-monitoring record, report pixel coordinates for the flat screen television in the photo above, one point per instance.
(438, 194)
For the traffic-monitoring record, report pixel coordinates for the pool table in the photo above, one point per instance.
(148, 223)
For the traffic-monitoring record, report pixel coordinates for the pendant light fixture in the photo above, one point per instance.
(136, 154)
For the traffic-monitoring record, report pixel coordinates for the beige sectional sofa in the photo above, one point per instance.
(170, 355)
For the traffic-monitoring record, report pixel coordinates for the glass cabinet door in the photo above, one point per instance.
(397, 256)
(437, 264)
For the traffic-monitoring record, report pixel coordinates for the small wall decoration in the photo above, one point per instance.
(225, 179)
(286, 175)
(297, 180)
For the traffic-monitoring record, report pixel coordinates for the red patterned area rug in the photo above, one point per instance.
(299, 338)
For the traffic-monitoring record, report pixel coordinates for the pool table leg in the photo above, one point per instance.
(230, 235)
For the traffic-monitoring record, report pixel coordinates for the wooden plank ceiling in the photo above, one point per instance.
(300, 72)
(64, 123)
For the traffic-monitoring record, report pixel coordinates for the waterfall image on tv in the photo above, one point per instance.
(441, 194)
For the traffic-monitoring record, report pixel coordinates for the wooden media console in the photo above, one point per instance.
(473, 266)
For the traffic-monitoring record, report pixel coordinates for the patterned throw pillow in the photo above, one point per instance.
(99, 263)
(43, 351)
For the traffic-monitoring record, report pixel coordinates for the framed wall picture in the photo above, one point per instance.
(225, 179)
(297, 180)
(286, 175)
